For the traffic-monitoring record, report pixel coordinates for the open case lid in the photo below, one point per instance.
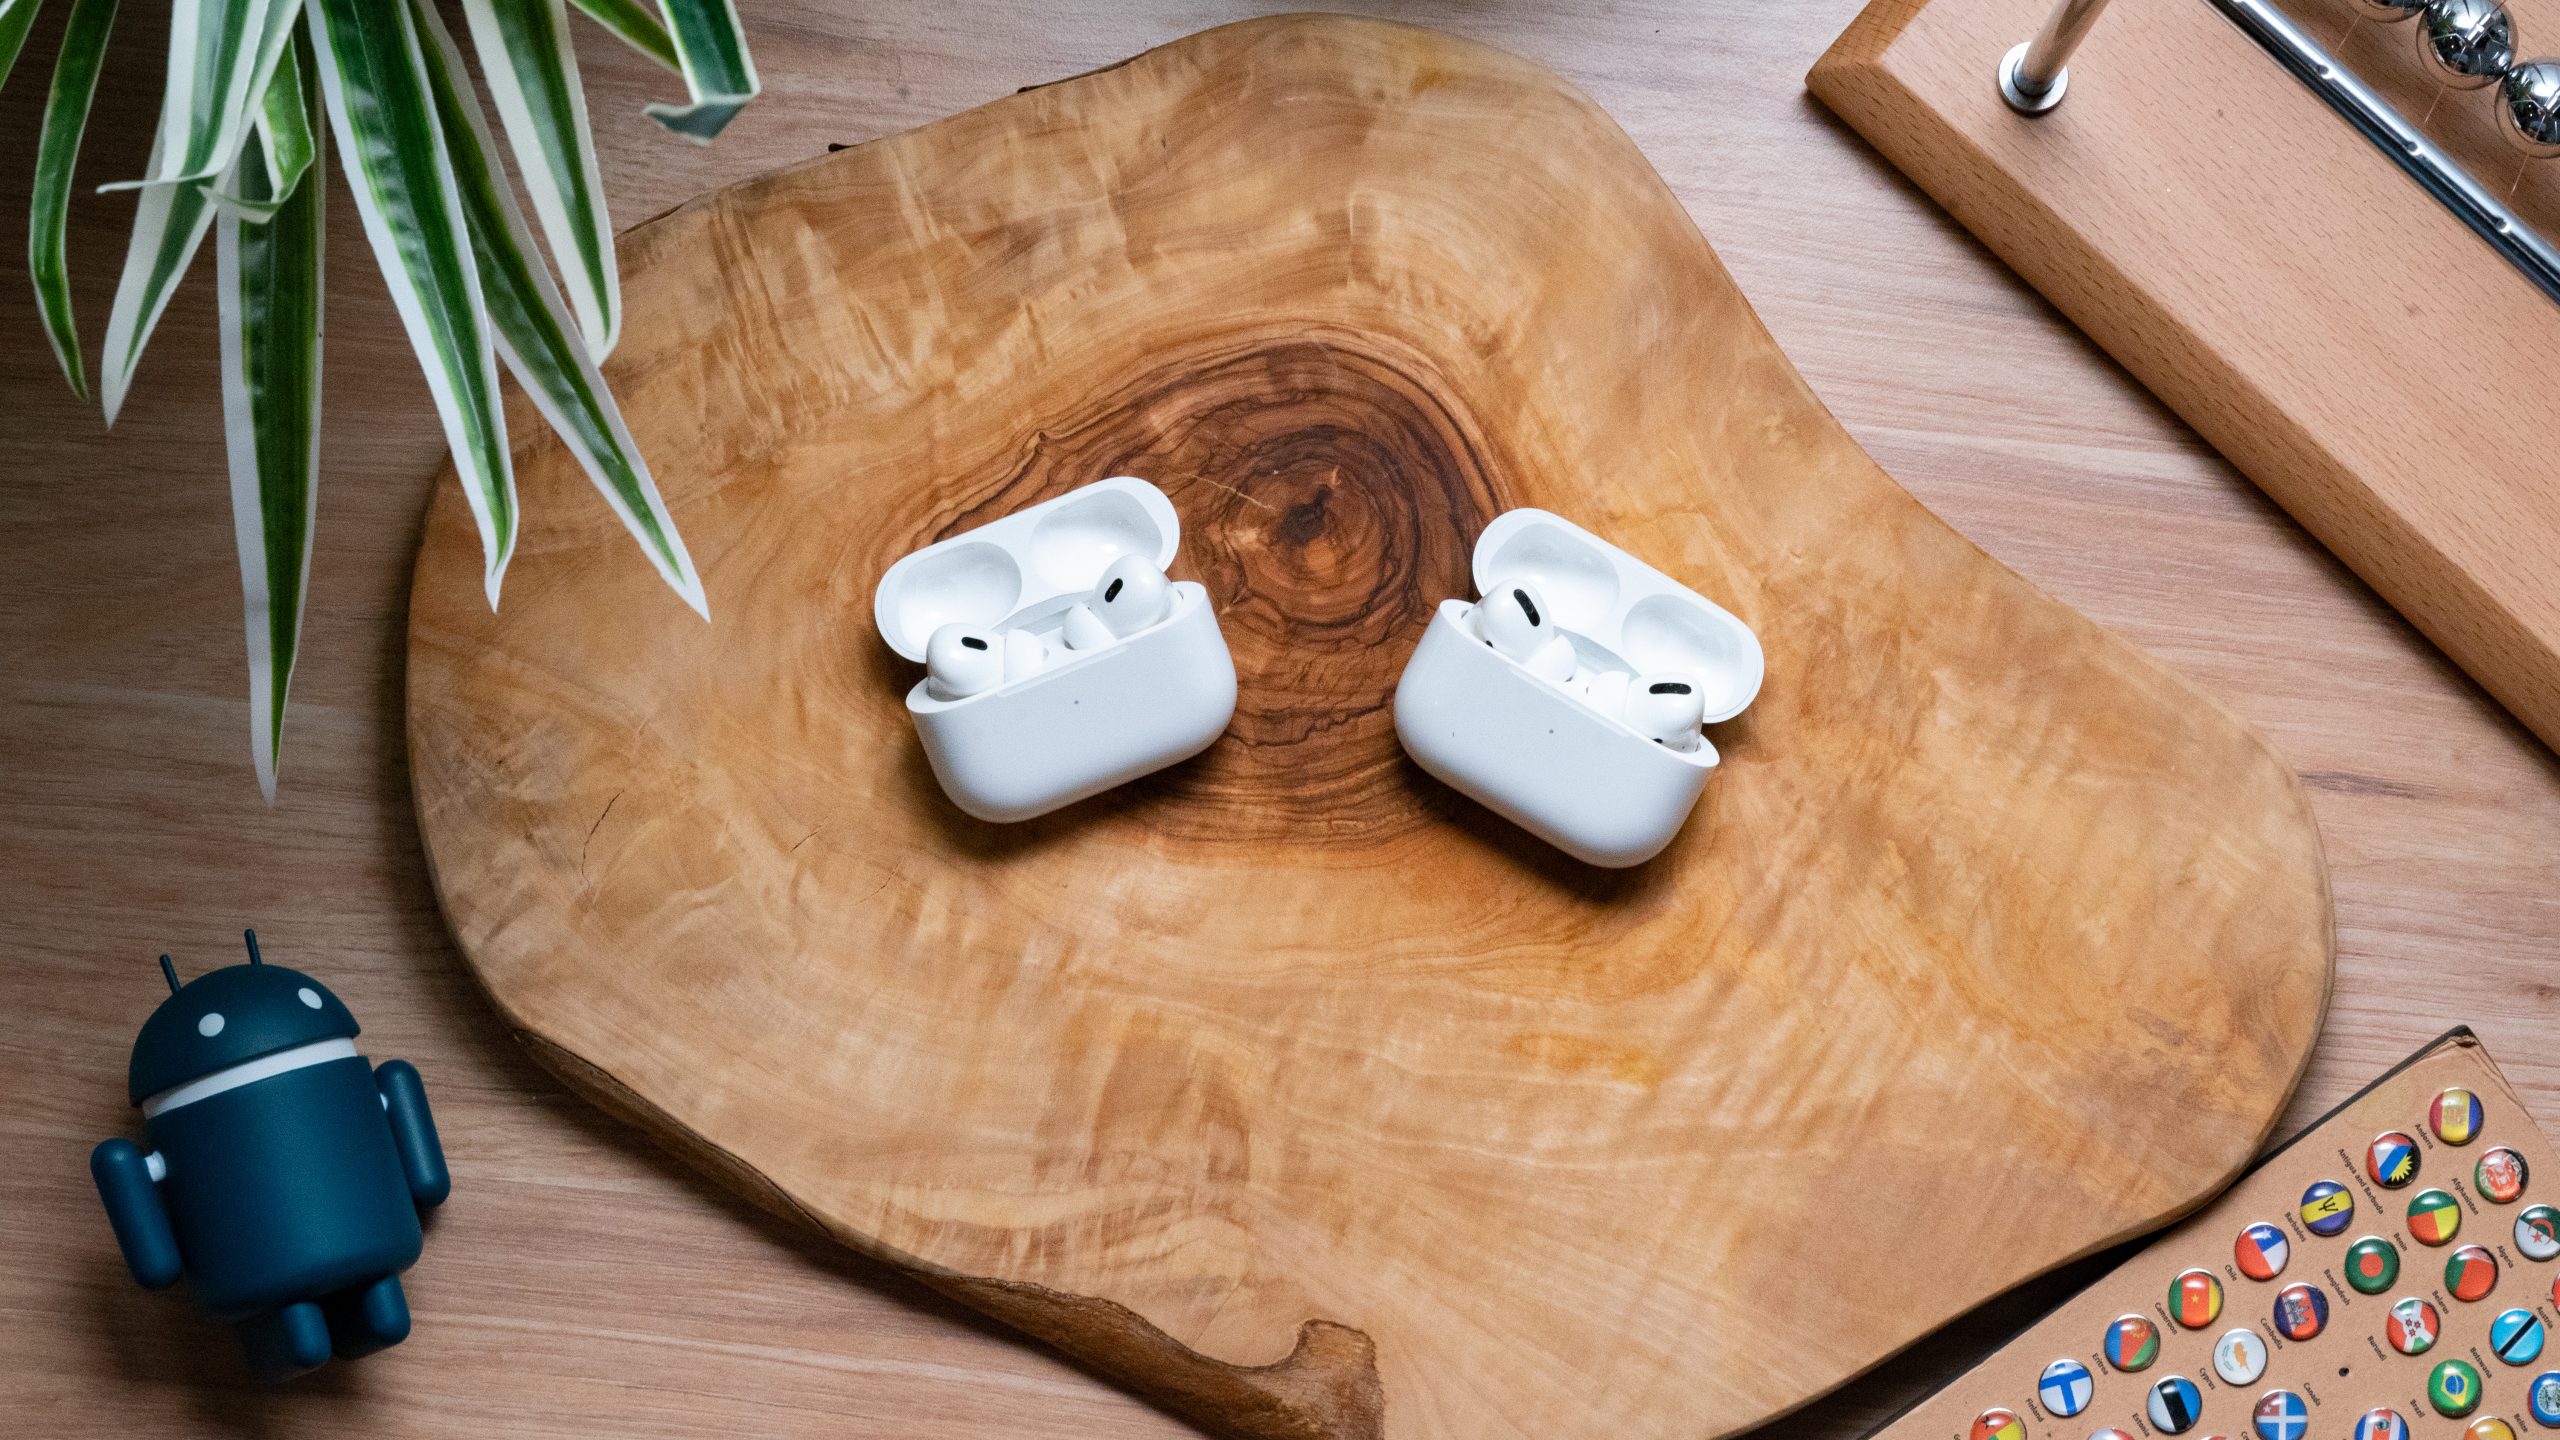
(999, 570)
(1608, 597)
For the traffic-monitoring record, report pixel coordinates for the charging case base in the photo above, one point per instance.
(1095, 721)
(1538, 757)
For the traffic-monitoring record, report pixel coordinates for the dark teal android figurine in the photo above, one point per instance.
(285, 1175)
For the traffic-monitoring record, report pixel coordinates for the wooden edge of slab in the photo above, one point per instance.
(1326, 1388)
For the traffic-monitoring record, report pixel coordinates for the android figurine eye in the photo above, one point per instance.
(285, 1173)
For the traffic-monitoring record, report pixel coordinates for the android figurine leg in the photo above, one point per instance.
(285, 1343)
(368, 1318)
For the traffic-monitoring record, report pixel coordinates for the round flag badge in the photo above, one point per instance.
(2327, 1207)
(2382, 1424)
(2499, 1176)
(2372, 1264)
(2392, 1159)
(2174, 1405)
(2108, 1432)
(2239, 1357)
(2471, 1273)
(2453, 1387)
(2538, 1232)
(2455, 1116)
(2281, 1415)
(2195, 1299)
(2434, 1216)
(2065, 1388)
(2489, 1427)
(1997, 1424)
(2261, 1250)
(2300, 1311)
(2132, 1343)
(2413, 1326)
(2544, 1399)
(2515, 1337)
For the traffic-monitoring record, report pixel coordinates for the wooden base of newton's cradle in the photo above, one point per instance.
(2373, 366)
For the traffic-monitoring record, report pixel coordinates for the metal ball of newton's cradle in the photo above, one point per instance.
(2470, 42)
(2529, 108)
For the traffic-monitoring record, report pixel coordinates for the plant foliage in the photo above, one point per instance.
(255, 93)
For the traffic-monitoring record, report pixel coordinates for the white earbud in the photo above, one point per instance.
(1025, 655)
(1667, 709)
(1131, 596)
(963, 660)
(1606, 690)
(1514, 619)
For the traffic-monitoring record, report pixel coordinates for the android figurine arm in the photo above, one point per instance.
(132, 1197)
(413, 1132)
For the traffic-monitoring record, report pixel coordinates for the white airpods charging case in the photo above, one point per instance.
(1091, 719)
(1545, 759)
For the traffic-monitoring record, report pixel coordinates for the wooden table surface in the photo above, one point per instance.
(581, 1283)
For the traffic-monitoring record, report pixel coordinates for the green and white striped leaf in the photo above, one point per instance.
(282, 143)
(718, 72)
(634, 26)
(66, 115)
(221, 54)
(535, 332)
(388, 140)
(270, 287)
(289, 123)
(168, 224)
(17, 17)
(533, 76)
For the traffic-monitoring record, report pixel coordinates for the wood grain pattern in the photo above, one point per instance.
(2374, 367)
(580, 1283)
(1283, 1086)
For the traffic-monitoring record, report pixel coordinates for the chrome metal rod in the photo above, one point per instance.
(2063, 31)
(2437, 173)
(2033, 75)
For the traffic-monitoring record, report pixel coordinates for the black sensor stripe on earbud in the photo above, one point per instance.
(1113, 591)
(973, 642)
(1668, 687)
(1528, 606)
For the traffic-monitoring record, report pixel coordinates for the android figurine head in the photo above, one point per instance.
(231, 1026)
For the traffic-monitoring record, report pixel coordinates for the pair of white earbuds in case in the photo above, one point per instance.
(965, 660)
(1666, 707)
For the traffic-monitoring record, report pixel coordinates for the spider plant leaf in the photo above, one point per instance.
(288, 123)
(66, 114)
(283, 143)
(168, 224)
(535, 332)
(533, 77)
(383, 114)
(718, 72)
(269, 283)
(17, 17)
(221, 56)
(632, 24)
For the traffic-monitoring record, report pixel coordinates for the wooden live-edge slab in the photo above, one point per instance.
(2373, 366)
(1286, 1086)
